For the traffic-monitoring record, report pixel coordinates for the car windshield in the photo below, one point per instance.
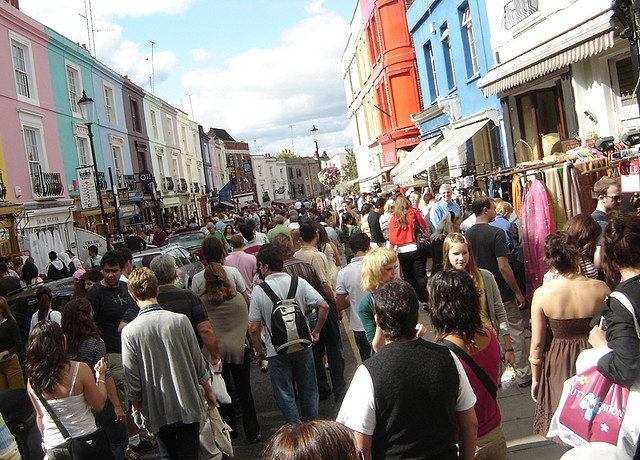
(188, 240)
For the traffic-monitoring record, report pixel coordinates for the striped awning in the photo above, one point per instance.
(582, 42)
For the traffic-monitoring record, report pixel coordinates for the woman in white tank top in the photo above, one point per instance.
(69, 387)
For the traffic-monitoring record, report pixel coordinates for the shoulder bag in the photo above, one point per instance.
(422, 240)
(481, 374)
(94, 446)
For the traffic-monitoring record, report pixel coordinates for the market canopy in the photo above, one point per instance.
(379, 172)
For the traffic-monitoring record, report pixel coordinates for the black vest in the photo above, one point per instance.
(416, 388)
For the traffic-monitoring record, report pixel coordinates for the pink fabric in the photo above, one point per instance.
(537, 223)
(246, 265)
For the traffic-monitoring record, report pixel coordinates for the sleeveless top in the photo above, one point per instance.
(74, 413)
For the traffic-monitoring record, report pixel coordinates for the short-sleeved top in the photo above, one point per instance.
(52, 315)
(489, 243)
(234, 275)
(262, 306)
(349, 283)
(316, 259)
(109, 306)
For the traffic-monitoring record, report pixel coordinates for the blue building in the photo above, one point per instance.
(460, 128)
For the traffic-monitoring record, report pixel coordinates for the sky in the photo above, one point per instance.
(264, 70)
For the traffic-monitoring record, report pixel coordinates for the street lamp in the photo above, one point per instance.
(86, 105)
(314, 136)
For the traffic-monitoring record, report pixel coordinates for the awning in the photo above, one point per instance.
(415, 155)
(586, 40)
(450, 144)
(379, 172)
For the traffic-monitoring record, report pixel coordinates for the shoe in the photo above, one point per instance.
(525, 384)
(143, 446)
(256, 439)
(131, 455)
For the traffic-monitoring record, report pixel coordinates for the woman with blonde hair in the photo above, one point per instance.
(229, 316)
(457, 253)
(378, 266)
(401, 234)
(450, 223)
(10, 347)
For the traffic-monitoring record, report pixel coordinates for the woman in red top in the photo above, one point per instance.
(412, 261)
(454, 310)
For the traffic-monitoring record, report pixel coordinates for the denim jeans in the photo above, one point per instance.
(116, 432)
(179, 441)
(295, 368)
(414, 272)
(335, 358)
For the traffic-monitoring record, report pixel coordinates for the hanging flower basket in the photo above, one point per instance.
(329, 176)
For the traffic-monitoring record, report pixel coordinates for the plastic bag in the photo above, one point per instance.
(509, 376)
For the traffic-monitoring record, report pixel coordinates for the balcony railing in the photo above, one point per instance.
(130, 182)
(205, 189)
(182, 185)
(47, 185)
(195, 188)
(169, 183)
(3, 188)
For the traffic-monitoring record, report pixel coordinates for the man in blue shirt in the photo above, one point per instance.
(443, 206)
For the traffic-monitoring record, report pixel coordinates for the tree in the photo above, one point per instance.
(286, 153)
(350, 169)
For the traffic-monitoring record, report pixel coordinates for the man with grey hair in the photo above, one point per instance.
(182, 301)
(279, 228)
(445, 205)
(293, 220)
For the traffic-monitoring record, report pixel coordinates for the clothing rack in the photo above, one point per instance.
(611, 165)
(517, 169)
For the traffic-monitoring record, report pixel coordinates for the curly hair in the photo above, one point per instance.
(46, 356)
(373, 266)
(622, 240)
(585, 230)
(454, 305)
(217, 287)
(561, 252)
(44, 298)
(315, 439)
(78, 324)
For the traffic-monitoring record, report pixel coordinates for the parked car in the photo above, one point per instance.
(187, 263)
(191, 240)
(23, 302)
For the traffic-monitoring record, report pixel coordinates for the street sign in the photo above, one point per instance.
(123, 194)
(87, 188)
(145, 176)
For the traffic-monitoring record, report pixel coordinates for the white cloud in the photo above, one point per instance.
(200, 54)
(261, 92)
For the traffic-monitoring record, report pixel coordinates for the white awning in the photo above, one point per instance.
(380, 171)
(415, 155)
(586, 40)
(450, 144)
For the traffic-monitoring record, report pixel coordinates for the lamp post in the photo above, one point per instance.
(314, 136)
(86, 105)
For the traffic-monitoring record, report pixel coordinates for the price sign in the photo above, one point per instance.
(629, 176)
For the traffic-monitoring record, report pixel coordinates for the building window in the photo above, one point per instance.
(118, 161)
(84, 156)
(260, 170)
(430, 63)
(281, 174)
(23, 69)
(135, 116)
(448, 57)
(170, 134)
(75, 89)
(32, 142)
(469, 43)
(109, 103)
(154, 122)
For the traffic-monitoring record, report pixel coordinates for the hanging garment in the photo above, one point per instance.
(571, 186)
(516, 193)
(556, 195)
(587, 181)
(537, 223)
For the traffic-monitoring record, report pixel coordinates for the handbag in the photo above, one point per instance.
(94, 446)
(421, 239)
(592, 408)
(215, 436)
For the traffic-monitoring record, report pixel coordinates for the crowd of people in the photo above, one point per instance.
(133, 351)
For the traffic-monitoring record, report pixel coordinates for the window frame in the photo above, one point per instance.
(111, 113)
(74, 94)
(24, 45)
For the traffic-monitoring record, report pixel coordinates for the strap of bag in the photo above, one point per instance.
(482, 375)
(63, 431)
(624, 300)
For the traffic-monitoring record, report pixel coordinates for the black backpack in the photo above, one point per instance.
(289, 327)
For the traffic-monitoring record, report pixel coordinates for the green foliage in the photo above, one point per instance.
(286, 154)
(350, 169)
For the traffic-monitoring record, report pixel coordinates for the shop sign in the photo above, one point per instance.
(87, 188)
(128, 210)
(630, 176)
